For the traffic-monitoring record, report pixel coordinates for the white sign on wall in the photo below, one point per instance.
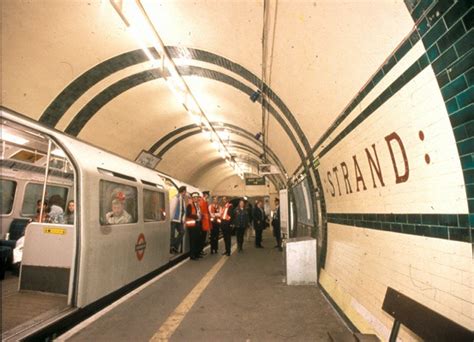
(401, 159)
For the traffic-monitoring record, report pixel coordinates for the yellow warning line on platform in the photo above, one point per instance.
(174, 320)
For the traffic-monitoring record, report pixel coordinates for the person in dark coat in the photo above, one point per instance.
(193, 225)
(241, 222)
(276, 224)
(258, 223)
(225, 224)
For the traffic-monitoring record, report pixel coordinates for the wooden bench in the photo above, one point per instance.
(424, 322)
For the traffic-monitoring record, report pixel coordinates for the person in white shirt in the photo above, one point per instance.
(178, 214)
(118, 215)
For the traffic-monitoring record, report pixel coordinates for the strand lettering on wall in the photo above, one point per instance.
(354, 179)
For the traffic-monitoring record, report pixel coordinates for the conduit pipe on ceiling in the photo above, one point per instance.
(136, 19)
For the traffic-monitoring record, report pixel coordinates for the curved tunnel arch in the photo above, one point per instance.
(233, 143)
(232, 128)
(73, 91)
(248, 149)
(119, 87)
(58, 107)
(218, 161)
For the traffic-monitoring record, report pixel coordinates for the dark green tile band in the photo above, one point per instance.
(444, 226)
(391, 90)
(447, 25)
(396, 56)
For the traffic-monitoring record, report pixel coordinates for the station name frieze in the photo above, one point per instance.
(347, 177)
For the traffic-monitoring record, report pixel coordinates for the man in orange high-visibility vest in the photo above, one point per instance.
(193, 225)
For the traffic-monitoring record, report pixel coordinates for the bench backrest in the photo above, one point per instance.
(426, 323)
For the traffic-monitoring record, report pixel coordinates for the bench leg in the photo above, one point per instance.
(394, 332)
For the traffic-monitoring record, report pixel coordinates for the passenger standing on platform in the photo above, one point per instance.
(215, 212)
(276, 224)
(249, 231)
(241, 222)
(178, 214)
(193, 224)
(225, 224)
(258, 223)
(206, 219)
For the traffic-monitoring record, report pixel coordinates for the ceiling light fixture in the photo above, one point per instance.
(136, 19)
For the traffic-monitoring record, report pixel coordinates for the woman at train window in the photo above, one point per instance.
(56, 212)
(69, 217)
(45, 216)
(118, 215)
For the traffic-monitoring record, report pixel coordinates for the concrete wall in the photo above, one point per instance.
(397, 175)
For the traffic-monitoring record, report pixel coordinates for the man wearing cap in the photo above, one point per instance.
(193, 225)
(205, 220)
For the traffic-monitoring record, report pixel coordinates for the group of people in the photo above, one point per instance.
(199, 217)
(52, 211)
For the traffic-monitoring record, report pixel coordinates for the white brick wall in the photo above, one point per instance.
(434, 272)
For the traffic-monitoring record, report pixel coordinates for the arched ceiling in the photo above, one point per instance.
(73, 65)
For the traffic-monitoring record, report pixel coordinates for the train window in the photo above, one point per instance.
(118, 203)
(153, 206)
(8, 194)
(34, 192)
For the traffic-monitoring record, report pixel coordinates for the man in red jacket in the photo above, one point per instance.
(206, 219)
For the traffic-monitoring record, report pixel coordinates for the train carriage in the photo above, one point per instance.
(119, 233)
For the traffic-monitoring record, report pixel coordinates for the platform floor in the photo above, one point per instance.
(238, 298)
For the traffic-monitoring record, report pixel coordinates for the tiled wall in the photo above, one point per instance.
(362, 263)
(397, 171)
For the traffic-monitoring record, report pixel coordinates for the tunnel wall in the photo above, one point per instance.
(234, 186)
(398, 178)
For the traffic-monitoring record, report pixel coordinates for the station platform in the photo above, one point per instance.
(243, 297)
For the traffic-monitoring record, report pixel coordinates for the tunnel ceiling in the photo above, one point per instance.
(74, 66)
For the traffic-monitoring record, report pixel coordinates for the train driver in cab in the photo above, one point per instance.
(118, 215)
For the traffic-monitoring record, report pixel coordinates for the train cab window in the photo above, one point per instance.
(153, 206)
(118, 203)
(34, 192)
(8, 194)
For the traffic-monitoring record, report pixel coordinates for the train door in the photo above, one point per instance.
(39, 233)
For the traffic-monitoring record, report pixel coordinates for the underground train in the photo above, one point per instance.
(120, 228)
